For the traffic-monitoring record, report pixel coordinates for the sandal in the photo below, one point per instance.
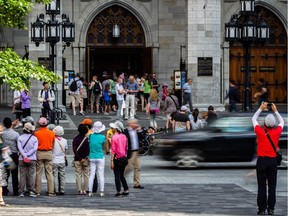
(3, 204)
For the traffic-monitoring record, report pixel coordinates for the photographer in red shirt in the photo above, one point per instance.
(266, 166)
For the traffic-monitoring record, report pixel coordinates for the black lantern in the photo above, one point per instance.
(242, 29)
(53, 8)
(68, 31)
(247, 6)
(249, 31)
(263, 31)
(52, 31)
(231, 31)
(37, 31)
(116, 31)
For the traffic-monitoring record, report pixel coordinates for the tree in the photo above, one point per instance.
(14, 12)
(15, 71)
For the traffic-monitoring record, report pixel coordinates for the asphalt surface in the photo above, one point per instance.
(212, 189)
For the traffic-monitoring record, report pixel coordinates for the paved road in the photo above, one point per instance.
(212, 189)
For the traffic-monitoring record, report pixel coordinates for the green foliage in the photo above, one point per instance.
(17, 73)
(14, 12)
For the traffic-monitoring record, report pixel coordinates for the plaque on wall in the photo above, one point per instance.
(205, 66)
(46, 62)
(267, 69)
(252, 69)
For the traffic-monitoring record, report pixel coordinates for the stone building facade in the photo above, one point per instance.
(191, 29)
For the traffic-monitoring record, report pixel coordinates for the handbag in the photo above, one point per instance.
(73, 162)
(26, 160)
(278, 155)
(66, 161)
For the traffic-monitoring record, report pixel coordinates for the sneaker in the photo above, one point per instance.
(261, 213)
(90, 194)
(105, 113)
(51, 194)
(118, 194)
(22, 194)
(82, 113)
(139, 187)
(83, 193)
(125, 193)
(74, 113)
(32, 194)
(270, 212)
(102, 194)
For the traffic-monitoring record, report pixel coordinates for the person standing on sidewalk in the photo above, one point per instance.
(119, 96)
(263, 92)
(96, 157)
(46, 140)
(187, 94)
(266, 166)
(153, 107)
(133, 147)
(59, 149)
(2, 169)
(10, 138)
(119, 161)
(76, 94)
(131, 92)
(27, 145)
(95, 87)
(25, 103)
(80, 146)
(46, 97)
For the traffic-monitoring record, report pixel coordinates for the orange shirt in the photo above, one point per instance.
(45, 139)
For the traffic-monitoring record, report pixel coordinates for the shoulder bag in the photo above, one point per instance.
(73, 162)
(278, 155)
(66, 161)
(27, 160)
(177, 108)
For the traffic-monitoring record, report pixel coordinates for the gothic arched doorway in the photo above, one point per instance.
(126, 53)
(268, 61)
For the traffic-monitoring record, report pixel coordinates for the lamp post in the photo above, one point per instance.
(52, 35)
(246, 27)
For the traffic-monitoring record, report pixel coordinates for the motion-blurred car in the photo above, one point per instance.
(227, 139)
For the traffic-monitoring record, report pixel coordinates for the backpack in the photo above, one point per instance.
(73, 86)
(96, 88)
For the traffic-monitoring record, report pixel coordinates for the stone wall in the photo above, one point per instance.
(204, 40)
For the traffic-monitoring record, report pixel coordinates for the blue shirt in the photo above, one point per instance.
(96, 141)
(187, 88)
(106, 95)
(132, 86)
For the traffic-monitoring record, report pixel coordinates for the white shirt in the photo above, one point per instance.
(117, 88)
(57, 153)
(17, 95)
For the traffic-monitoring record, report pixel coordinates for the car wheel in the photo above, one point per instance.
(188, 158)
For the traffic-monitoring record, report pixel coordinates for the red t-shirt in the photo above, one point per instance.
(265, 148)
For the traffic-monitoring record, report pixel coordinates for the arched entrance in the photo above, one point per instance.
(126, 53)
(268, 62)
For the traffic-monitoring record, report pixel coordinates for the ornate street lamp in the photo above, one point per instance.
(53, 31)
(244, 28)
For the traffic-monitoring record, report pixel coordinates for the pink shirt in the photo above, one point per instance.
(119, 145)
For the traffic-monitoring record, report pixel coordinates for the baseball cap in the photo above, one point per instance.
(87, 121)
(183, 108)
(43, 121)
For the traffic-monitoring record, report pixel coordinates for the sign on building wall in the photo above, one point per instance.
(68, 76)
(46, 62)
(205, 66)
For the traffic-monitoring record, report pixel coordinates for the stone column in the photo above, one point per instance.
(204, 39)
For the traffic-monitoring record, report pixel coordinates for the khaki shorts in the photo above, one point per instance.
(75, 97)
(95, 98)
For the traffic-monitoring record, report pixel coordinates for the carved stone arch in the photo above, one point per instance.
(145, 22)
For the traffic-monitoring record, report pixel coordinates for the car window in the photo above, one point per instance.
(233, 124)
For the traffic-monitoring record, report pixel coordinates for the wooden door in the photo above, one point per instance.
(268, 61)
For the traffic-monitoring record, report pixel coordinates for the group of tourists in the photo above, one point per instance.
(89, 147)
(46, 148)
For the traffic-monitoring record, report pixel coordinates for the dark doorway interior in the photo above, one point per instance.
(128, 60)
